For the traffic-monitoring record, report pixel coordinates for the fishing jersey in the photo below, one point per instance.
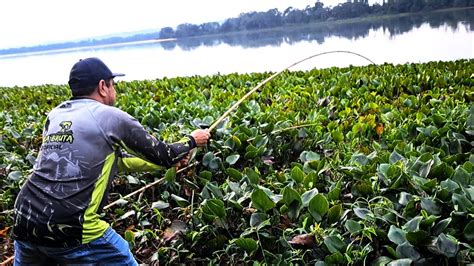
(84, 144)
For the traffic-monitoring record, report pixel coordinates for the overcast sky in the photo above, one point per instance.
(33, 22)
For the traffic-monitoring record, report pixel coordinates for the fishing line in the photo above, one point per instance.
(232, 108)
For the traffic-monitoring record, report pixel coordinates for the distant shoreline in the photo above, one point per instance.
(334, 22)
(85, 48)
(232, 33)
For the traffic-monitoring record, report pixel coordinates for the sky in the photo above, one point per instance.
(33, 22)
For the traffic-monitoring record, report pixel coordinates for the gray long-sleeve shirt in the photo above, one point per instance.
(82, 150)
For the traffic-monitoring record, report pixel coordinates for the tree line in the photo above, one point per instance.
(267, 19)
(316, 13)
(391, 25)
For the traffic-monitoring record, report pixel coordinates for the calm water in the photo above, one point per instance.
(440, 36)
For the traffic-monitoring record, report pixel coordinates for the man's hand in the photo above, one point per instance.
(185, 160)
(201, 136)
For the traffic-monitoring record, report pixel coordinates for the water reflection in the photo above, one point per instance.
(320, 32)
(415, 38)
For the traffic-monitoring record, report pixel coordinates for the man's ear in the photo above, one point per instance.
(102, 88)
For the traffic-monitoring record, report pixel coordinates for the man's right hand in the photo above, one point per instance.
(201, 136)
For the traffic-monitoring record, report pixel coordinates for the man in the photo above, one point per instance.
(85, 142)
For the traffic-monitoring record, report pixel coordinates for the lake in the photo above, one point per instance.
(417, 38)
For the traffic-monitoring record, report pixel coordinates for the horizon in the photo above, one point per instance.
(143, 16)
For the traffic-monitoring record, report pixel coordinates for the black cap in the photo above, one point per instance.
(88, 72)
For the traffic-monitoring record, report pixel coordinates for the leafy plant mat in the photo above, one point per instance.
(349, 165)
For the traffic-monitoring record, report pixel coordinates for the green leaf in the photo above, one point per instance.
(337, 135)
(469, 192)
(254, 106)
(126, 215)
(391, 251)
(395, 157)
(207, 158)
(334, 243)
(260, 141)
(130, 237)
(362, 189)
(360, 158)
(406, 250)
(461, 176)
(15, 175)
(335, 259)
(413, 225)
(180, 201)
(422, 165)
(170, 174)
(446, 246)
(257, 218)
(382, 261)
(247, 244)
(214, 207)
(261, 201)
(449, 185)
(363, 213)
(252, 175)
(469, 231)
(251, 154)
(232, 159)
(400, 262)
(318, 206)
(461, 202)
(441, 226)
(293, 210)
(417, 238)
(121, 202)
(352, 226)
(207, 175)
(404, 198)
(334, 213)
(160, 205)
(297, 174)
(308, 196)
(309, 156)
(430, 206)
(233, 142)
(132, 180)
(267, 127)
(290, 195)
(334, 194)
(214, 189)
(396, 235)
(234, 173)
(215, 163)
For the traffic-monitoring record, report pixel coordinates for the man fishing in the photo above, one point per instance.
(86, 141)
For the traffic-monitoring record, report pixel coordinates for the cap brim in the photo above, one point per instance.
(117, 75)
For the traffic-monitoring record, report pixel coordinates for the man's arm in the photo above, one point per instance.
(129, 163)
(129, 134)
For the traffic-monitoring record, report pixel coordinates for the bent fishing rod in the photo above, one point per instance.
(233, 107)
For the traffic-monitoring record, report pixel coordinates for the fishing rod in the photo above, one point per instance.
(234, 106)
